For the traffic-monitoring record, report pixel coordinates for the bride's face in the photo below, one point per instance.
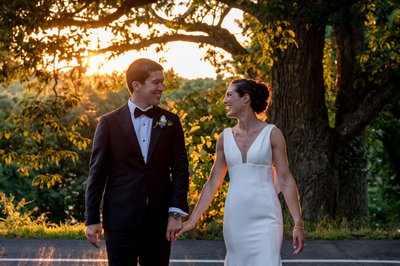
(233, 102)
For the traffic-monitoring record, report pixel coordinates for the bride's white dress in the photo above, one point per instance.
(253, 227)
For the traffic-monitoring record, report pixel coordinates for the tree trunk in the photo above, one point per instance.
(352, 186)
(351, 160)
(298, 109)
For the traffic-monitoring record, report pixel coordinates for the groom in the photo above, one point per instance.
(139, 172)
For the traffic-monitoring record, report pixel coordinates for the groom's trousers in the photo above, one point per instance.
(149, 246)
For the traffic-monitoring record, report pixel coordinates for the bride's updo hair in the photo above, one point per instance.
(258, 92)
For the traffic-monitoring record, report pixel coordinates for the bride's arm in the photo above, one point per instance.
(215, 180)
(288, 187)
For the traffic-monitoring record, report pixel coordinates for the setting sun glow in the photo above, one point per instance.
(183, 57)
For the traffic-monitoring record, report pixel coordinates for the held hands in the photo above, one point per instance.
(187, 226)
(93, 234)
(298, 239)
(174, 225)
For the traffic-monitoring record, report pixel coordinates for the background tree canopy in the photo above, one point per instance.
(332, 65)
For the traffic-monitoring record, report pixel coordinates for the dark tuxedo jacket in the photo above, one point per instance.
(128, 186)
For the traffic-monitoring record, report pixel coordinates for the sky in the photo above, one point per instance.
(184, 57)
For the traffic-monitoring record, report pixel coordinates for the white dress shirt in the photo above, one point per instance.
(142, 126)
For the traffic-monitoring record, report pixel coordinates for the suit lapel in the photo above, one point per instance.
(125, 121)
(155, 132)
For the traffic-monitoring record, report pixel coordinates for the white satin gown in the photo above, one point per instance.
(253, 227)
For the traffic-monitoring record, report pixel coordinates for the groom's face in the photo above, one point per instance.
(149, 92)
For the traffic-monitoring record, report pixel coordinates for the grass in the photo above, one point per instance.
(21, 223)
(214, 232)
(332, 230)
(324, 230)
(43, 231)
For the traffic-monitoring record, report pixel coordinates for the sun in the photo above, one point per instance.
(95, 64)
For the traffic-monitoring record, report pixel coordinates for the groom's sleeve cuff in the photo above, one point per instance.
(174, 209)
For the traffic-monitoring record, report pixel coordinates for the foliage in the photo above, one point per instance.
(266, 41)
(172, 81)
(384, 174)
(21, 222)
(330, 75)
(30, 132)
(16, 215)
(65, 126)
(383, 40)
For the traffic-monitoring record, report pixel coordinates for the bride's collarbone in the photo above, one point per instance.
(254, 131)
(244, 140)
(246, 136)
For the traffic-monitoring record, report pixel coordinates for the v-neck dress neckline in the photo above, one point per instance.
(244, 160)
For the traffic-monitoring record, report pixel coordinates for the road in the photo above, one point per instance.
(200, 253)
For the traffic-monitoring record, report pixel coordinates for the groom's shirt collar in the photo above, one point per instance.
(132, 107)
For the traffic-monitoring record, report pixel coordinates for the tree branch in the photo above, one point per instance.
(188, 12)
(222, 41)
(244, 5)
(101, 22)
(355, 122)
(217, 36)
(223, 15)
(181, 24)
(157, 17)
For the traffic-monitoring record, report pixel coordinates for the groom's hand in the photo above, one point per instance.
(174, 225)
(93, 234)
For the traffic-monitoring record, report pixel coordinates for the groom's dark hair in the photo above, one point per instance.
(139, 70)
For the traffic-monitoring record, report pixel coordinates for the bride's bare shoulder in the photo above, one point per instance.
(277, 137)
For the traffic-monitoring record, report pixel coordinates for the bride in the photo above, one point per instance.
(250, 152)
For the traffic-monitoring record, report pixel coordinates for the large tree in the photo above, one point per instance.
(286, 45)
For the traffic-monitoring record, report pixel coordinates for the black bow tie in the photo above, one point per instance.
(139, 112)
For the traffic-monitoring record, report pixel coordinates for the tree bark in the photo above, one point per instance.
(298, 109)
(351, 161)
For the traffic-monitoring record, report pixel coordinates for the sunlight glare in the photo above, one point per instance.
(96, 65)
(185, 58)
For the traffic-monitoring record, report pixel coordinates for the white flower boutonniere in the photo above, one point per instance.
(163, 122)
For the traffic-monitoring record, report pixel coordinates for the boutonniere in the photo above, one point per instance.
(163, 122)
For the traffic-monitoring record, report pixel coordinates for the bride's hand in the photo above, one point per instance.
(298, 239)
(187, 226)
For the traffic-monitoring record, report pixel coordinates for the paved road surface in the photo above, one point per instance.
(24, 252)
